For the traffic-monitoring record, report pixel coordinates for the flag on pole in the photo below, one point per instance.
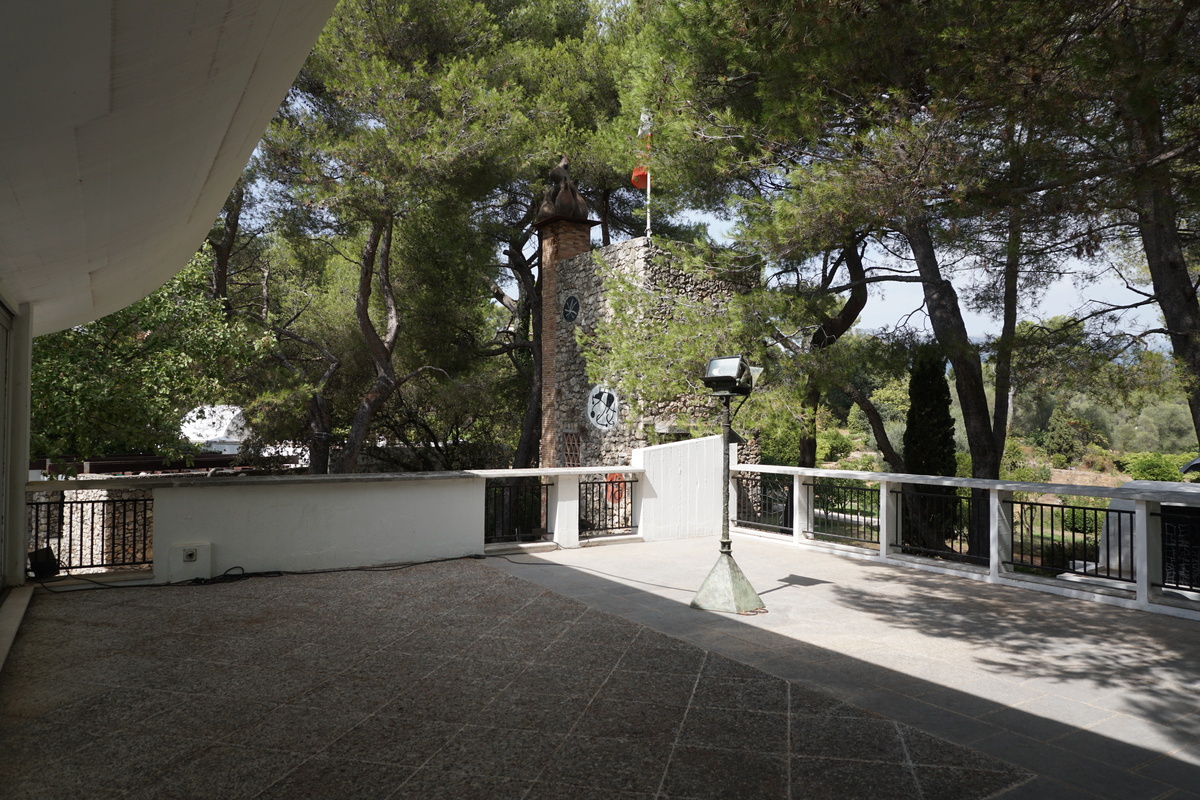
(641, 175)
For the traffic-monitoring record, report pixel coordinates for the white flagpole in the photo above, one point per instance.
(645, 127)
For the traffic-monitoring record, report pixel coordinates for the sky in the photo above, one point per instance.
(890, 303)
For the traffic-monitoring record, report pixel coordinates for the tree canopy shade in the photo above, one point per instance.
(122, 384)
(394, 195)
(973, 145)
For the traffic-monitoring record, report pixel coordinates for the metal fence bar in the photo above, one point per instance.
(1082, 540)
(1181, 548)
(515, 510)
(606, 506)
(937, 523)
(845, 512)
(111, 533)
(764, 502)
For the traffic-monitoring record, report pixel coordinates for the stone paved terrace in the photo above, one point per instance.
(569, 676)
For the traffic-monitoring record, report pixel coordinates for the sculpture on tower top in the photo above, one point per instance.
(562, 198)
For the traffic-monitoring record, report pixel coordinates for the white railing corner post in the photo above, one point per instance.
(565, 510)
(1000, 531)
(888, 518)
(1147, 548)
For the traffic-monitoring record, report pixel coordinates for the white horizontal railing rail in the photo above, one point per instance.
(1125, 540)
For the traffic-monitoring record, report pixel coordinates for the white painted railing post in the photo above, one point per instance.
(802, 507)
(1000, 528)
(1147, 547)
(888, 518)
(565, 510)
(732, 454)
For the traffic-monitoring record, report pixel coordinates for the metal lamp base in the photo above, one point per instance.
(727, 589)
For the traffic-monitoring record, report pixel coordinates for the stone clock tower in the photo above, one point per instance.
(585, 424)
(564, 231)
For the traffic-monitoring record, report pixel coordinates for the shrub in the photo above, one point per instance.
(863, 462)
(1082, 520)
(1150, 467)
(833, 446)
(1097, 459)
(781, 446)
(962, 464)
(1058, 461)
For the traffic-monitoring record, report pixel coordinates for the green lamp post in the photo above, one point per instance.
(726, 588)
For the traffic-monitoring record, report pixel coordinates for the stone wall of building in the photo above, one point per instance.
(580, 304)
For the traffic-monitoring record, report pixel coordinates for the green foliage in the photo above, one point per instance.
(122, 384)
(1069, 434)
(863, 462)
(779, 445)
(929, 431)
(1079, 514)
(833, 445)
(1150, 467)
(962, 464)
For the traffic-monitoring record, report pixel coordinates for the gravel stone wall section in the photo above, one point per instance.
(86, 527)
(582, 278)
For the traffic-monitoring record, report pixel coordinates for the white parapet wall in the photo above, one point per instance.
(298, 523)
(681, 489)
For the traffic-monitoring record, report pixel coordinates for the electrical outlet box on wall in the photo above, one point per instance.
(187, 561)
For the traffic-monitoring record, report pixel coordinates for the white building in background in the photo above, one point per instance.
(216, 429)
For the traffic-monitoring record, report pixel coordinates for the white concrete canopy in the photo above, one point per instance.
(125, 124)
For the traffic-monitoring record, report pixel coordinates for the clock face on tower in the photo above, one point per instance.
(571, 309)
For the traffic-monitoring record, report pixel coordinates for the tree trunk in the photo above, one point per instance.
(1157, 221)
(828, 332)
(951, 332)
(223, 246)
(375, 263)
(320, 423)
(531, 297)
(806, 455)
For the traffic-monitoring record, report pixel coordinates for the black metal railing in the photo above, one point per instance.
(845, 511)
(1181, 547)
(1055, 539)
(764, 502)
(941, 523)
(110, 533)
(516, 510)
(606, 506)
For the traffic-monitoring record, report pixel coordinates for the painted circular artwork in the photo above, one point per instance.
(602, 407)
(571, 308)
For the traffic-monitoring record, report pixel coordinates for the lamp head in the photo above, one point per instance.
(729, 376)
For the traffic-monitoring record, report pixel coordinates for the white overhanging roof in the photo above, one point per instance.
(125, 125)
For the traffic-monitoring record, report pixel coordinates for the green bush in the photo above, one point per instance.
(833, 446)
(1058, 461)
(962, 464)
(1150, 467)
(857, 422)
(1082, 520)
(864, 462)
(1097, 459)
(780, 447)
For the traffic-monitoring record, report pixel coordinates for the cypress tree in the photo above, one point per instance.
(929, 432)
